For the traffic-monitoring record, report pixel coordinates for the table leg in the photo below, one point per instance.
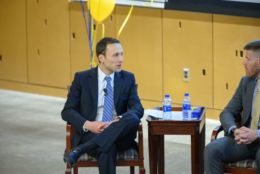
(160, 147)
(194, 156)
(197, 152)
(152, 153)
(202, 147)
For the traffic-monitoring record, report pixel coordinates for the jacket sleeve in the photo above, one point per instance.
(134, 106)
(232, 112)
(70, 112)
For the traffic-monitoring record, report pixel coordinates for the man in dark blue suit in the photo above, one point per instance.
(104, 107)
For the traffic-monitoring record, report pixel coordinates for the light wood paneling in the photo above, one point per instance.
(48, 42)
(80, 52)
(142, 43)
(13, 60)
(79, 45)
(44, 42)
(230, 36)
(187, 43)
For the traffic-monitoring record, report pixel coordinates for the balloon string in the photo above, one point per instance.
(103, 30)
(87, 27)
(125, 21)
(93, 62)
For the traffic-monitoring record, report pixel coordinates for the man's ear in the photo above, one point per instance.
(100, 57)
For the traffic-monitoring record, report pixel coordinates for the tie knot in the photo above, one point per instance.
(108, 79)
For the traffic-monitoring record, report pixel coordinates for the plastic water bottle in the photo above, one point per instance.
(186, 107)
(167, 107)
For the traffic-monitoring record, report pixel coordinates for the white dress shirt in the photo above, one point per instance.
(101, 95)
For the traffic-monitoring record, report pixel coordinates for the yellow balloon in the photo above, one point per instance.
(101, 9)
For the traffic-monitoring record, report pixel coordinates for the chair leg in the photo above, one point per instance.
(141, 170)
(132, 169)
(75, 170)
(68, 169)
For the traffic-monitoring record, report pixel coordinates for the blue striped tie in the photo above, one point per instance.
(108, 103)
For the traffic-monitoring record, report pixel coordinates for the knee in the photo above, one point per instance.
(131, 120)
(212, 150)
(135, 121)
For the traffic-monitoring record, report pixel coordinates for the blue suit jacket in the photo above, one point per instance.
(81, 104)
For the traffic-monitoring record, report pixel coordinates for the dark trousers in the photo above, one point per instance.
(118, 136)
(226, 150)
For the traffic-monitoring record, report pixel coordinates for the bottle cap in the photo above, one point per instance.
(167, 95)
(186, 94)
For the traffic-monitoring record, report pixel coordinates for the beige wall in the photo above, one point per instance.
(43, 43)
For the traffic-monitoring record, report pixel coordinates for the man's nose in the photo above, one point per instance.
(121, 58)
(244, 62)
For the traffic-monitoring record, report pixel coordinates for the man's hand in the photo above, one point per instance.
(98, 126)
(245, 135)
(116, 119)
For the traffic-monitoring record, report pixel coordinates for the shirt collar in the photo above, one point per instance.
(102, 75)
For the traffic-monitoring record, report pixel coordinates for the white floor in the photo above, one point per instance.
(32, 137)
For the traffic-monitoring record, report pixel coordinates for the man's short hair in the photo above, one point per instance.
(253, 45)
(102, 45)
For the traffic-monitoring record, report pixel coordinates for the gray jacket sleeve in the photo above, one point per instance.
(232, 112)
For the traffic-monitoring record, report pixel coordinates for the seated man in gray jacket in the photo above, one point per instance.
(240, 141)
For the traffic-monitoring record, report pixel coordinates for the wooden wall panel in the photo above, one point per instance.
(44, 42)
(80, 52)
(48, 42)
(230, 36)
(13, 60)
(142, 43)
(187, 43)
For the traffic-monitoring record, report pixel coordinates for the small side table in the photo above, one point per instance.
(158, 128)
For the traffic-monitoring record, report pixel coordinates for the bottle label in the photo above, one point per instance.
(167, 108)
(186, 107)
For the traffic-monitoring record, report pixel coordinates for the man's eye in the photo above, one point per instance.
(118, 54)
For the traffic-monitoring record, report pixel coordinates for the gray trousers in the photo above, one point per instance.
(226, 150)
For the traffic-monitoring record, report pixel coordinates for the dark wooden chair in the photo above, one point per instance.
(240, 167)
(129, 157)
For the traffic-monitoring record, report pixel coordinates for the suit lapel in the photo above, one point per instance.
(117, 87)
(249, 97)
(93, 85)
